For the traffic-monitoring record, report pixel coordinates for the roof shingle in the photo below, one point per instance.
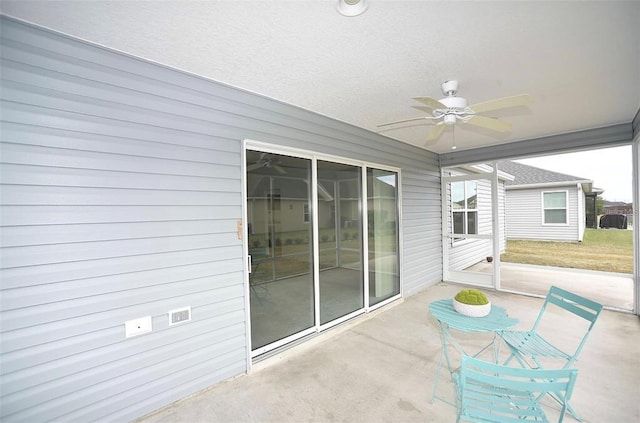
(528, 175)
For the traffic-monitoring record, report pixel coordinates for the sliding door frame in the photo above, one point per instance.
(249, 144)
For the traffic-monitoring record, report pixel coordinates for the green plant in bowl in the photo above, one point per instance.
(472, 303)
(472, 297)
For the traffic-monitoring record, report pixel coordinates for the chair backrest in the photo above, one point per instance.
(498, 393)
(580, 306)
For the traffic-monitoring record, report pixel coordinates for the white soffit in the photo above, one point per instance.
(579, 60)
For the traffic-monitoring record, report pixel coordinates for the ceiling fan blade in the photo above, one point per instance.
(279, 169)
(435, 132)
(405, 120)
(489, 123)
(430, 102)
(502, 103)
(254, 166)
(424, 109)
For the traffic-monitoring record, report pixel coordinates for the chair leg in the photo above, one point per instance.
(518, 357)
(573, 412)
(255, 292)
(508, 360)
(566, 406)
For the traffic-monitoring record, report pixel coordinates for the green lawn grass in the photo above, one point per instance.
(606, 250)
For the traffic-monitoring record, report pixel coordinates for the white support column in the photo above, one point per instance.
(636, 222)
(445, 227)
(495, 210)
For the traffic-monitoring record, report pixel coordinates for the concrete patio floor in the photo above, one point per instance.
(381, 368)
(613, 290)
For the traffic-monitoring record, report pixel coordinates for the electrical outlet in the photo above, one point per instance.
(137, 327)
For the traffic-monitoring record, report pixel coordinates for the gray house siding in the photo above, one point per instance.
(525, 215)
(422, 226)
(121, 189)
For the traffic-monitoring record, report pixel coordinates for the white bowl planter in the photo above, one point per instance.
(472, 310)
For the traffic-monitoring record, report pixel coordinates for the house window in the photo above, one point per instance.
(305, 213)
(464, 205)
(555, 207)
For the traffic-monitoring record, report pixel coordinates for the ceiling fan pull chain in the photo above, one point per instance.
(453, 147)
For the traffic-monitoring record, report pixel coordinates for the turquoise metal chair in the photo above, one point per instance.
(531, 348)
(489, 392)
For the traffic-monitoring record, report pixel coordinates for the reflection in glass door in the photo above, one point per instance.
(299, 284)
(280, 246)
(340, 236)
(382, 203)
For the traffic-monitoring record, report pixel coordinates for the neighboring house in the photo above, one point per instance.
(618, 208)
(546, 205)
(623, 211)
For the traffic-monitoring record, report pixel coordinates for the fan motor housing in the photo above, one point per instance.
(455, 102)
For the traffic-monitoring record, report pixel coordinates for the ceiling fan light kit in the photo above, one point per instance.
(453, 109)
(351, 8)
(449, 119)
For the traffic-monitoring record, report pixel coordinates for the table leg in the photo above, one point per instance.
(444, 353)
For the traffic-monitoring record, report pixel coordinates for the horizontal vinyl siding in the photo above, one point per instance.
(422, 226)
(121, 189)
(525, 215)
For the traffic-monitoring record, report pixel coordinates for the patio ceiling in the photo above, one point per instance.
(580, 61)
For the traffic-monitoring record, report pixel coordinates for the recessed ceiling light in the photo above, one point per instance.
(351, 7)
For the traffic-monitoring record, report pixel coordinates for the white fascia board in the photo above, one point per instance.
(483, 168)
(549, 185)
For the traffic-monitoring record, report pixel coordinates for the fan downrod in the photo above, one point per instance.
(450, 88)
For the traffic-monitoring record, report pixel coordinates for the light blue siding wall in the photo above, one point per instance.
(121, 189)
(422, 227)
(525, 215)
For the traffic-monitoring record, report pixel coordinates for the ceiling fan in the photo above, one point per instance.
(451, 110)
(269, 161)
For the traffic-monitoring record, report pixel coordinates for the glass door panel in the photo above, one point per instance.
(340, 231)
(382, 203)
(280, 246)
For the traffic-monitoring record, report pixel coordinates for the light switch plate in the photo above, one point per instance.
(137, 327)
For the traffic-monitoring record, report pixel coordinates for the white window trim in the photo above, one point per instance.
(566, 207)
(461, 241)
(305, 214)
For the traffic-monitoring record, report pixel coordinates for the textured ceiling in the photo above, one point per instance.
(580, 61)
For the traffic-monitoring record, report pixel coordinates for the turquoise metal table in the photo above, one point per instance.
(448, 318)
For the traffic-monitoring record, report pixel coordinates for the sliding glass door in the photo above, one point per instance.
(382, 201)
(280, 240)
(340, 230)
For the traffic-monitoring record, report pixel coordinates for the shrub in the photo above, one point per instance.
(472, 296)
